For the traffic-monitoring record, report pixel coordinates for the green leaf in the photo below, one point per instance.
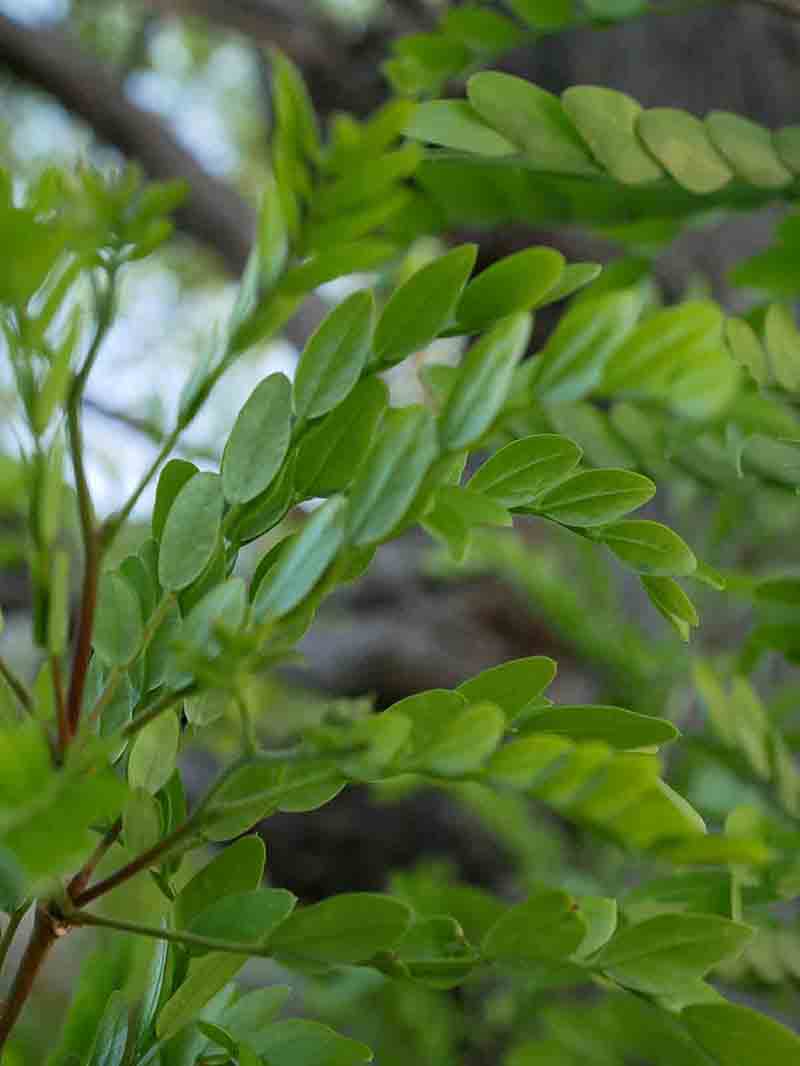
(669, 598)
(303, 561)
(191, 532)
(516, 283)
(600, 916)
(747, 349)
(661, 954)
(617, 727)
(607, 119)
(465, 742)
(252, 790)
(342, 929)
(668, 341)
(171, 480)
(748, 148)
(457, 511)
(334, 357)
(153, 754)
(546, 926)
(421, 308)
(523, 469)
(574, 276)
(574, 360)
(532, 119)
(513, 685)
(247, 1019)
(238, 868)
(330, 454)
(481, 29)
(141, 822)
(118, 630)
(595, 497)
(391, 474)
(649, 548)
(244, 917)
(435, 951)
(259, 440)
(336, 262)
(206, 977)
(544, 14)
(454, 124)
(483, 383)
(297, 1042)
(739, 1036)
(680, 142)
(783, 346)
(112, 1034)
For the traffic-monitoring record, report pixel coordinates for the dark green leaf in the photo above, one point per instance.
(239, 868)
(170, 482)
(649, 548)
(206, 977)
(545, 926)
(516, 283)
(297, 1042)
(522, 470)
(669, 598)
(424, 306)
(454, 124)
(615, 726)
(244, 917)
(343, 929)
(112, 1034)
(513, 686)
(153, 753)
(118, 627)
(739, 1036)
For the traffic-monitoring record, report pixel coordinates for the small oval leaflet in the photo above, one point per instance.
(259, 440)
(519, 472)
(191, 532)
(334, 357)
(595, 497)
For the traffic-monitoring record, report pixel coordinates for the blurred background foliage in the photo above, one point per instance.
(182, 88)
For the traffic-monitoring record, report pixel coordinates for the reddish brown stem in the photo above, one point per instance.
(135, 866)
(46, 930)
(81, 879)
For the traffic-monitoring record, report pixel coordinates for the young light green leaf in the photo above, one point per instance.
(680, 142)
(531, 118)
(303, 562)
(152, 757)
(330, 454)
(334, 357)
(617, 727)
(454, 124)
(747, 349)
(259, 440)
(523, 469)
(574, 277)
(58, 613)
(595, 497)
(238, 868)
(118, 627)
(391, 474)
(516, 283)
(669, 598)
(546, 926)
(342, 929)
(420, 309)
(659, 955)
(244, 917)
(600, 916)
(649, 548)
(483, 382)
(748, 148)
(513, 685)
(191, 532)
(206, 977)
(141, 821)
(606, 119)
(739, 1036)
(574, 359)
(171, 480)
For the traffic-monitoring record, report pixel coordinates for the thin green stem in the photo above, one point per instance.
(173, 936)
(10, 931)
(19, 689)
